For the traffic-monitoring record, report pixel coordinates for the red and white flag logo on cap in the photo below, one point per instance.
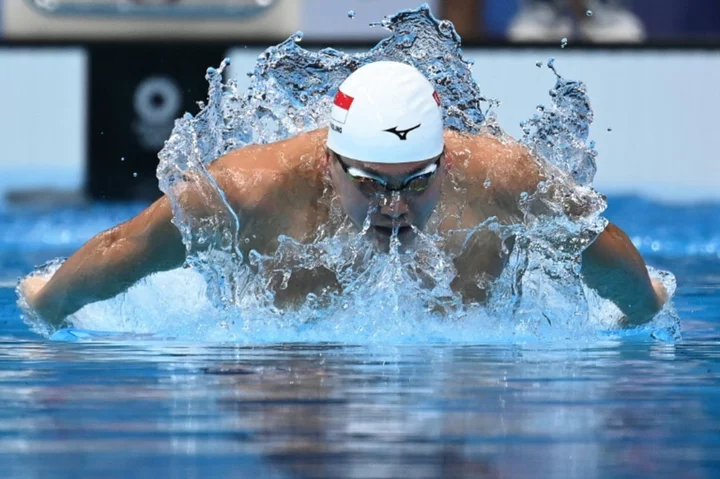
(436, 97)
(341, 107)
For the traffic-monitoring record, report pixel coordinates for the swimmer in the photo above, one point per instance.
(386, 153)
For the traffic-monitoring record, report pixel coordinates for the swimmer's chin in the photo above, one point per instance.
(382, 235)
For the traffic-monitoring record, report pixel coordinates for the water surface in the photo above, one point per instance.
(631, 407)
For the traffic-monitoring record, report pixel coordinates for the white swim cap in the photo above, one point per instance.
(386, 112)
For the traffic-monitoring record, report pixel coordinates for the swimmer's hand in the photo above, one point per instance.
(660, 291)
(31, 289)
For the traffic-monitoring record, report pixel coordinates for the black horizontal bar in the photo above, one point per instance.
(655, 45)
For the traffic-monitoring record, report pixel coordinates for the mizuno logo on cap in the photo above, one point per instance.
(402, 134)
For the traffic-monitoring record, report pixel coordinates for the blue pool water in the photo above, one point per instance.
(599, 409)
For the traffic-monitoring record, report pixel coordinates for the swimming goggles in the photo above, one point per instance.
(372, 184)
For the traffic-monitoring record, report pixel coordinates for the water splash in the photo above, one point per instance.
(379, 296)
(559, 134)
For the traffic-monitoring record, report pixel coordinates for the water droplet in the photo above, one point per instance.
(264, 3)
(446, 28)
(539, 108)
(539, 64)
(609, 129)
(563, 43)
(135, 174)
(351, 14)
(589, 13)
(122, 159)
(487, 184)
(298, 37)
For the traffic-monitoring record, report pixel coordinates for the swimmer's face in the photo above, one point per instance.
(399, 195)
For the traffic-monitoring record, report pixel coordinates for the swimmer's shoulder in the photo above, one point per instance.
(280, 155)
(251, 175)
(499, 163)
(492, 172)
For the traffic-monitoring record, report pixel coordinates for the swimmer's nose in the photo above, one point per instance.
(395, 207)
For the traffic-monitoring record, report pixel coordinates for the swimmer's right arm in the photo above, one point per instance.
(114, 260)
(110, 263)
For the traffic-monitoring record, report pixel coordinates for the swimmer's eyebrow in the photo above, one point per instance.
(423, 171)
(365, 173)
(416, 172)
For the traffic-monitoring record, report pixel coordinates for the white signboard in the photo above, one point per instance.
(163, 19)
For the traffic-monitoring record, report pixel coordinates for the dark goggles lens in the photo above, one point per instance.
(368, 186)
(375, 187)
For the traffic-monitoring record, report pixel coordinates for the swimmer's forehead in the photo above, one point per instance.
(389, 169)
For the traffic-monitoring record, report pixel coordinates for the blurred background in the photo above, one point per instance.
(89, 89)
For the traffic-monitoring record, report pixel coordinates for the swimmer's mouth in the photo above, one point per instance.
(387, 230)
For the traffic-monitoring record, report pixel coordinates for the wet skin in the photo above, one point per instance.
(282, 188)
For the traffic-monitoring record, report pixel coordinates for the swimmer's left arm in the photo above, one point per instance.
(611, 264)
(614, 268)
